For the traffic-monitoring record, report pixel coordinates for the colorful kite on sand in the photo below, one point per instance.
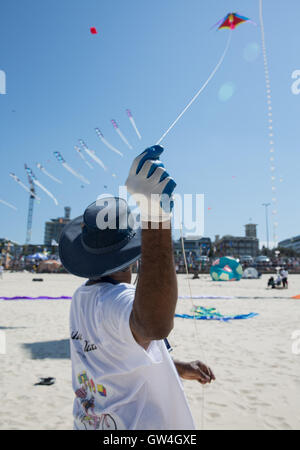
(60, 159)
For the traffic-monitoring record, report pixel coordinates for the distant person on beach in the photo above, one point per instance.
(278, 280)
(284, 276)
(271, 282)
(123, 374)
(1, 271)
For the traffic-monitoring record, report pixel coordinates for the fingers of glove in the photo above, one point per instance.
(158, 174)
(154, 167)
(143, 173)
(153, 152)
(168, 186)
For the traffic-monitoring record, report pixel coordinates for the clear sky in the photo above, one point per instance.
(151, 57)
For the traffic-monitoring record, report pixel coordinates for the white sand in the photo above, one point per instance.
(258, 376)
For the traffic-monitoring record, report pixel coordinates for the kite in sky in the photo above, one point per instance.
(39, 166)
(60, 159)
(92, 154)
(231, 21)
(37, 183)
(17, 180)
(130, 116)
(105, 142)
(93, 30)
(8, 204)
(82, 157)
(115, 125)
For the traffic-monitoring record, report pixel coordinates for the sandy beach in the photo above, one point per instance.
(258, 375)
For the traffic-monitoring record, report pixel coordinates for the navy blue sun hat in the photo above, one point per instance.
(102, 241)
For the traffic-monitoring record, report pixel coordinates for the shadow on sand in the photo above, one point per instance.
(49, 349)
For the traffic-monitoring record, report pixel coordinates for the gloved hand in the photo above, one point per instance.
(151, 186)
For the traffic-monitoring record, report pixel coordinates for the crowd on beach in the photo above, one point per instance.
(270, 265)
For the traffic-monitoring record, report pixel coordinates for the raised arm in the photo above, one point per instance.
(156, 294)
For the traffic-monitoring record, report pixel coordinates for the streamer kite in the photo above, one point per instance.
(270, 123)
(82, 157)
(60, 159)
(37, 183)
(92, 154)
(42, 169)
(232, 20)
(17, 180)
(8, 204)
(132, 121)
(105, 142)
(116, 127)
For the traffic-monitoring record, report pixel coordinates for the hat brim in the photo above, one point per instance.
(82, 263)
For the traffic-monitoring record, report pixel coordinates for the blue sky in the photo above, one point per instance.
(150, 57)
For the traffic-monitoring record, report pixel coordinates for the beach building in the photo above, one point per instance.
(54, 227)
(292, 243)
(239, 245)
(195, 245)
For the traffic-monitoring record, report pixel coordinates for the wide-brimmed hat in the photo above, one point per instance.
(102, 241)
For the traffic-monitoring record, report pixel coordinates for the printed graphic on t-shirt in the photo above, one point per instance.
(86, 344)
(86, 394)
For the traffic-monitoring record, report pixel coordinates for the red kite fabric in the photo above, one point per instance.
(93, 30)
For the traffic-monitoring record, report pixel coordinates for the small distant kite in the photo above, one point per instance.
(92, 154)
(116, 127)
(130, 116)
(37, 183)
(39, 166)
(82, 157)
(231, 21)
(93, 30)
(17, 180)
(8, 204)
(105, 142)
(60, 159)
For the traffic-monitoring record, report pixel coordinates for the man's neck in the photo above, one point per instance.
(118, 277)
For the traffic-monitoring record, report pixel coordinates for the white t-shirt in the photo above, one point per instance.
(118, 384)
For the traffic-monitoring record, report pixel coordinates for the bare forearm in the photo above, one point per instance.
(156, 293)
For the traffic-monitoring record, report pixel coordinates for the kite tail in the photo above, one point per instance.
(270, 121)
(200, 90)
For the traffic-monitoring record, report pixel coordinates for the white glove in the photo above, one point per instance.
(151, 186)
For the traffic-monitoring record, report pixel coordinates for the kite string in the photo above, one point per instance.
(200, 90)
(197, 335)
(270, 113)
